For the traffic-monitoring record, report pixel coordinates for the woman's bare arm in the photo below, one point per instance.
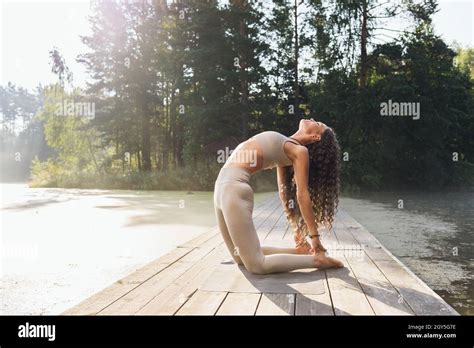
(281, 178)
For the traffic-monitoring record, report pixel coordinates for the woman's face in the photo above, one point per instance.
(312, 128)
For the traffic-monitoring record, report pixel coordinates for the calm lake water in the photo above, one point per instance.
(432, 233)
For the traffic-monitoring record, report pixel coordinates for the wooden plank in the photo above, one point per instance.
(282, 220)
(367, 241)
(268, 221)
(277, 234)
(260, 220)
(314, 304)
(421, 298)
(100, 300)
(230, 278)
(131, 302)
(347, 246)
(346, 293)
(377, 253)
(170, 300)
(261, 208)
(202, 238)
(198, 253)
(382, 296)
(364, 237)
(276, 304)
(329, 241)
(203, 303)
(288, 236)
(239, 304)
(344, 237)
(278, 230)
(264, 230)
(413, 291)
(138, 298)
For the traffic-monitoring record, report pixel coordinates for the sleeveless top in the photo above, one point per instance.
(273, 152)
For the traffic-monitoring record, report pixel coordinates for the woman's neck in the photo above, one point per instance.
(301, 138)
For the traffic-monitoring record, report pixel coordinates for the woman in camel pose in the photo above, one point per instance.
(308, 180)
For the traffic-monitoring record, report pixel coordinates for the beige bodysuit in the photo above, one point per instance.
(233, 202)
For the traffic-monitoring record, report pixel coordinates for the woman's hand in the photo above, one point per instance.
(316, 245)
(302, 245)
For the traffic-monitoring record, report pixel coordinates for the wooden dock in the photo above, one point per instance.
(200, 278)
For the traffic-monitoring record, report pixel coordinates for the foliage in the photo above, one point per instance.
(174, 82)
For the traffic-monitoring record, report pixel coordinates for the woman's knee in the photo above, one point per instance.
(256, 267)
(237, 260)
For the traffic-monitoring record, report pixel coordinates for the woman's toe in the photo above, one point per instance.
(323, 261)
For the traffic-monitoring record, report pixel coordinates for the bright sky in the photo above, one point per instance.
(29, 29)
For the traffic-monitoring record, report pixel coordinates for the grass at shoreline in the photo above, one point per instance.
(202, 178)
(176, 180)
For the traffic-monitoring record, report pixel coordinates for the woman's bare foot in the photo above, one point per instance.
(322, 261)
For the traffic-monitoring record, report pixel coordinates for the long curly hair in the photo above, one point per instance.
(323, 186)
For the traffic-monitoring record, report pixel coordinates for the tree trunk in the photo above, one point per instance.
(173, 126)
(296, 88)
(244, 88)
(363, 47)
(166, 130)
(146, 158)
(91, 151)
(139, 162)
(180, 129)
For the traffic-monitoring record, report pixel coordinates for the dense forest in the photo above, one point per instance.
(175, 84)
